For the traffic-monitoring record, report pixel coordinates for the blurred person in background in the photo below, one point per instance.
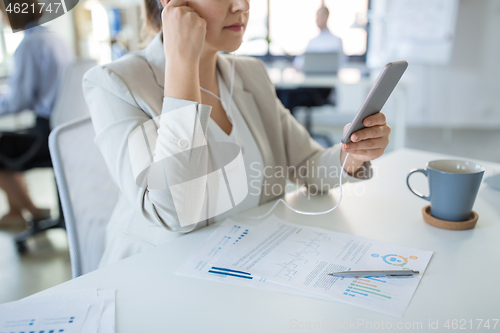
(39, 63)
(325, 42)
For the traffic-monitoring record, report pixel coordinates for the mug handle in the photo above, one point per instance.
(428, 198)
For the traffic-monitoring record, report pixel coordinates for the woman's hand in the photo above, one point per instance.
(367, 144)
(184, 33)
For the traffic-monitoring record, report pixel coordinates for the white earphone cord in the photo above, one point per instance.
(230, 94)
(280, 200)
(300, 211)
(229, 111)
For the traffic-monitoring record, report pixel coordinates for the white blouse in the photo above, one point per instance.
(243, 137)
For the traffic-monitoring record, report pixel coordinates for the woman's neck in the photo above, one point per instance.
(208, 71)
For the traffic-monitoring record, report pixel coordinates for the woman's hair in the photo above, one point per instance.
(18, 21)
(151, 11)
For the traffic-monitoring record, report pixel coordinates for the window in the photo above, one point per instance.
(254, 39)
(8, 45)
(292, 23)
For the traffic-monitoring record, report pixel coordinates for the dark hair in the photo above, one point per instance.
(324, 10)
(151, 16)
(18, 21)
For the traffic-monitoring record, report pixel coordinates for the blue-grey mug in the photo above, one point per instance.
(453, 187)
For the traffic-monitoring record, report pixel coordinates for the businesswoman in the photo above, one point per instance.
(155, 110)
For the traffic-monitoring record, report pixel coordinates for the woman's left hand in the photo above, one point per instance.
(369, 143)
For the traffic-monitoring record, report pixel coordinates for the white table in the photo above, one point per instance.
(461, 281)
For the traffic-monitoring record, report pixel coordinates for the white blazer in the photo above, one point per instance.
(126, 94)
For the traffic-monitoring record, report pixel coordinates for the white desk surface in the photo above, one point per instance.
(460, 283)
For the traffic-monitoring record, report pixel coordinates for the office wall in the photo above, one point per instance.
(465, 93)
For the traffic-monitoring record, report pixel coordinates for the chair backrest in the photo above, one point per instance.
(88, 193)
(70, 103)
(321, 63)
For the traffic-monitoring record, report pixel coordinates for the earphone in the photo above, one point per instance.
(280, 200)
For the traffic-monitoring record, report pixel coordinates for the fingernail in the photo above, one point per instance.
(354, 137)
(346, 145)
(368, 122)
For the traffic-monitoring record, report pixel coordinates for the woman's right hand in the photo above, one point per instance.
(184, 32)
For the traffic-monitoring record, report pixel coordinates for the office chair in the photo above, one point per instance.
(34, 140)
(70, 104)
(88, 193)
(308, 98)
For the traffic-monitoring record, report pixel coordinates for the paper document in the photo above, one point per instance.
(202, 263)
(65, 317)
(301, 257)
(86, 310)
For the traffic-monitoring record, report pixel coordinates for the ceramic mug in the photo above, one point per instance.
(453, 187)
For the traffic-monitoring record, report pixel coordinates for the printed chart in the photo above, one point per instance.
(301, 257)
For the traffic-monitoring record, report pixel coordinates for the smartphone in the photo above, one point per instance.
(378, 95)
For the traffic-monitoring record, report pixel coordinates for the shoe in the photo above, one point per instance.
(12, 221)
(45, 215)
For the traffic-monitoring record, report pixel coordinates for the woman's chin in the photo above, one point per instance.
(232, 48)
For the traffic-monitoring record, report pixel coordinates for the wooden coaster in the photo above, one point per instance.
(450, 225)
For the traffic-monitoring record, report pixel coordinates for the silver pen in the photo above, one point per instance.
(390, 273)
